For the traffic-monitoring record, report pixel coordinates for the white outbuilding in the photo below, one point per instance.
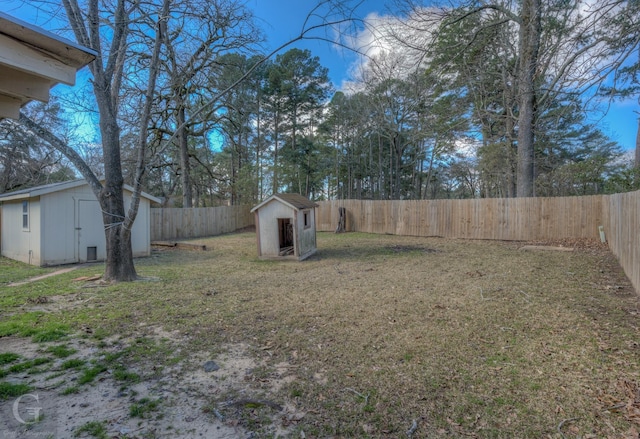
(286, 227)
(61, 223)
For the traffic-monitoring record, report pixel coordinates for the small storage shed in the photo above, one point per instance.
(61, 223)
(286, 227)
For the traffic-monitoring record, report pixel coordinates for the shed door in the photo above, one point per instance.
(285, 236)
(90, 232)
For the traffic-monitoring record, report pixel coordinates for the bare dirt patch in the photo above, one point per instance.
(581, 244)
(181, 400)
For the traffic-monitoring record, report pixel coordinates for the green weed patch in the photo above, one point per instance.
(10, 390)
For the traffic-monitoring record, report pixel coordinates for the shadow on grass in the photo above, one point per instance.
(368, 251)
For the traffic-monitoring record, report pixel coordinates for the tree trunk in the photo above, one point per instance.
(119, 264)
(529, 46)
(107, 72)
(342, 220)
(510, 152)
(636, 162)
(430, 171)
(187, 196)
(307, 182)
(275, 151)
(258, 147)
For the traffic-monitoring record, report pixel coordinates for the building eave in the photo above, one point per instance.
(32, 61)
(38, 191)
(285, 202)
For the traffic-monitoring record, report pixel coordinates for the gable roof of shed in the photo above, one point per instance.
(295, 201)
(56, 187)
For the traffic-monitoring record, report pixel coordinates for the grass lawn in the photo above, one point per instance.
(381, 336)
(14, 271)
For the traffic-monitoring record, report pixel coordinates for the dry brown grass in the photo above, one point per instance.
(465, 338)
(380, 334)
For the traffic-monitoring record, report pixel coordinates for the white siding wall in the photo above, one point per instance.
(141, 232)
(53, 237)
(268, 226)
(304, 239)
(89, 230)
(17, 243)
(60, 245)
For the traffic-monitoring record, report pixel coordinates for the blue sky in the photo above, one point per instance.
(282, 20)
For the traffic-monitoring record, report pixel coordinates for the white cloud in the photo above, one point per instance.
(389, 46)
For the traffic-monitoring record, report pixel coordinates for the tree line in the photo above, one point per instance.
(484, 99)
(488, 111)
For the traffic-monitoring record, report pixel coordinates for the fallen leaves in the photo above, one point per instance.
(628, 404)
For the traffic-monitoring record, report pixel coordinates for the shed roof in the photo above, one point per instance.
(56, 187)
(32, 60)
(295, 201)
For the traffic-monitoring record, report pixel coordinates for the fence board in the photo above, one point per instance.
(503, 219)
(622, 229)
(178, 223)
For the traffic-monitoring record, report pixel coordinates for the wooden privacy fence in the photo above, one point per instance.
(622, 229)
(178, 223)
(520, 219)
(487, 218)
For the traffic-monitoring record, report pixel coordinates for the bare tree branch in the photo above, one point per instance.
(60, 145)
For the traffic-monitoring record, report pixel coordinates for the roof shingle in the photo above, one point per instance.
(296, 201)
